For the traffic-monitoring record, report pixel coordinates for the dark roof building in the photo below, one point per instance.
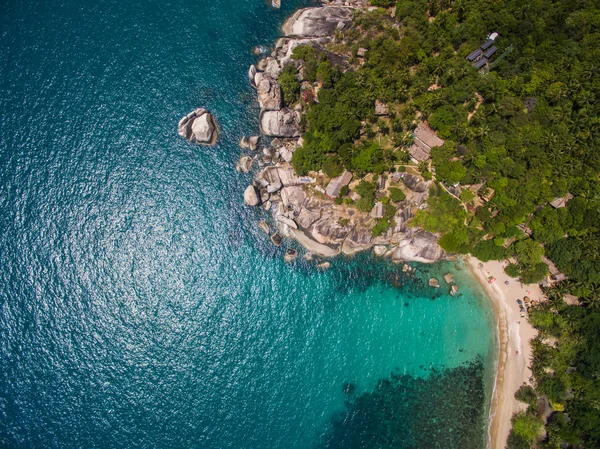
(474, 55)
(479, 64)
(488, 54)
(487, 44)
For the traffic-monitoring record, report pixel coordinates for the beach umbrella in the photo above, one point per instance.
(526, 299)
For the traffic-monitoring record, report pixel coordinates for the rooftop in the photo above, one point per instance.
(557, 203)
(336, 184)
(427, 136)
(377, 211)
(474, 55)
(487, 44)
(418, 153)
(479, 64)
(490, 52)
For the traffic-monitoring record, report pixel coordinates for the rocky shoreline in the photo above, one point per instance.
(300, 205)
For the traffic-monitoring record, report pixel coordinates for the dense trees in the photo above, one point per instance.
(528, 131)
(526, 127)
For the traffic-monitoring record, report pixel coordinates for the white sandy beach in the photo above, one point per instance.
(514, 334)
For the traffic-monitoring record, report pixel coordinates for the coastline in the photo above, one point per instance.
(514, 350)
(279, 190)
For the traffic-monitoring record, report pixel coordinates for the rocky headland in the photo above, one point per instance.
(305, 207)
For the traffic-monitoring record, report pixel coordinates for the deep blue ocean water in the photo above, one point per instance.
(141, 306)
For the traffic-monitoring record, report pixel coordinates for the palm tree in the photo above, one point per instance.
(592, 302)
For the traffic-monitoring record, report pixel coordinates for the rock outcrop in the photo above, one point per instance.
(199, 126)
(269, 92)
(253, 142)
(244, 164)
(282, 123)
(251, 196)
(418, 246)
(299, 204)
(317, 22)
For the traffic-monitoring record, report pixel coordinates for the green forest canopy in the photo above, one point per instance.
(529, 131)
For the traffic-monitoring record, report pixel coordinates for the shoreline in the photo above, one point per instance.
(514, 333)
(514, 351)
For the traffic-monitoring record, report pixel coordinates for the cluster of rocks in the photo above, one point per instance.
(308, 26)
(449, 279)
(299, 206)
(199, 126)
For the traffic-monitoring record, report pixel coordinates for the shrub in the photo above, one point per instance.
(383, 3)
(345, 190)
(527, 426)
(467, 196)
(380, 227)
(527, 395)
(332, 167)
(289, 84)
(488, 250)
(534, 273)
(367, 191)
(397, 195)
(513, 270)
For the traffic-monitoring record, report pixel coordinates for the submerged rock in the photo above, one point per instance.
(454, 289)
(199, 126)
(448, 278)
(262, 224)
(276, 239)
(290, 255)
(244, 164)
(433, 282)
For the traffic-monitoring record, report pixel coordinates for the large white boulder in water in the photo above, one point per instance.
(282, 123)
(318, 21)
(199, 126)
(251, 196)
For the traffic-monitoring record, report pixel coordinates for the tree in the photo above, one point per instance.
(396, 194)
(527, 426)
(289, 84)
(367, 191)
(528, 252)
(488, 250)
(513, 270)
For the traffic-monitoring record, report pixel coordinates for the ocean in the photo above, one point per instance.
(140, 304)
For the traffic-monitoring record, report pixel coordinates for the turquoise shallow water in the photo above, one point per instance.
(140, 306)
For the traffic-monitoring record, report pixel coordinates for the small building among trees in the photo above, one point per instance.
(557, 203)
(424, 139)
(335, 185)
